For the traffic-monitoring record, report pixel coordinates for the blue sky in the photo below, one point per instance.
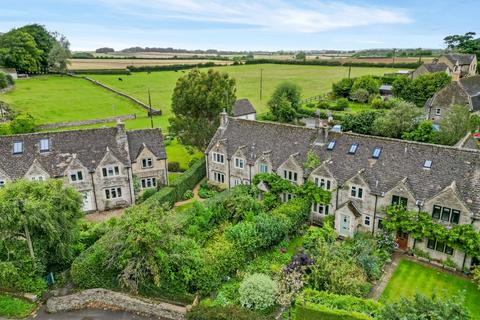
(247, 24)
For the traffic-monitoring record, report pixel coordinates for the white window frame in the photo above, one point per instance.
(263, 168)
(110, 192)
(147, 183)
(110, 171)
(17, 147)
(78, 174)
(37, 178)
(44, 145)
(438, 111)
(147, 163)
(218, 177)
(237, 182)
(239, 163)
(367, 221)
(323, 209)
(356, 192)
(323, 183)
(217, 156)
(290, 175)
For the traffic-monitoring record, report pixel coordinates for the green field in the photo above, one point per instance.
(411, 277)
(14, 307)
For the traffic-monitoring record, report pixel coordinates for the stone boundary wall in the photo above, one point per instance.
(116, 301)
(140, 103)
(86, 122)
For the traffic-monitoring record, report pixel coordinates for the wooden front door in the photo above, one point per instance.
(402, 240)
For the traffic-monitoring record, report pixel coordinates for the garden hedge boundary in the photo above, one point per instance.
(175, 191)
(407, 65)
(224, 313)
(99, 71)
(311, 311)
(172, 67)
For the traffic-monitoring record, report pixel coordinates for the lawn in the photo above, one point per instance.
(14, 307)
(411, 277)
(179, 153)
(313, 80)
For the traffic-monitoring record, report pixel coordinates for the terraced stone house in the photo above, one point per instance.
(364, 173)
(101, 164)
(454, 64)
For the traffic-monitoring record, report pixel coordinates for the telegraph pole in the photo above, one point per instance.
(150, 112)
(349, 71)
(261, 83)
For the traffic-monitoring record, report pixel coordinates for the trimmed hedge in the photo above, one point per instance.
(413, 65)
(187, 181)
(230, 312)
(172, 67)
(311, 311)
(339, 302)
(101, 71)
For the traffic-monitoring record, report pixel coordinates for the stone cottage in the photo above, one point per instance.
(364, 173)
(456, 65)
(101, 164)
(243, 109)
(465, 92)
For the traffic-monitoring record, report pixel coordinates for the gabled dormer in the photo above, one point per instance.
(400, 194)
(239, 159)
(323, 177)
(36, 172)
(357, 186)
(76, 172)
(110, 166)
(264, 163)
(291, 169)
(145, 158)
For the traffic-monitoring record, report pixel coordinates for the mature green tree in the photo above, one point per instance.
(361, 122)
(105, 50)
(285, 101)
(59, 55)
(454, 125)
(41, 216)
(19, 50)
(22, 123)
(403, 117)
(44, 40)
(301, 56)
(368, 83)
(423, 133)
(420, 89)
(198, 99)
(343, 87)
(426, 308)
(464, 43)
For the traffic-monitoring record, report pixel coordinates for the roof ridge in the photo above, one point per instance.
(280, 124)
(56, 132)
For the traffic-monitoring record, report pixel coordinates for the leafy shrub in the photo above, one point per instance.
(230, 312)
(258, 292)
(368, 83)
(378, 103)
(173, 166)
(147, 194)
(208, 190)
(343, 87)
(342, 104)
(360, 95)
(188, 195)
(311, 311)
(323, 104)
(476, 275)
(22, 276)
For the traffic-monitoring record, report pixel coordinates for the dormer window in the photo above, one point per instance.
(376, 153)
(290, 175)
(331, 145)
(111, 171)
(438, 111)
(356, 192)
(44, 145)
(263, 168)
(218, 157)
(239, 163)
(76, 176)
(147, 163)
(323, 183)
(427, 164)
(18, 147)
(37, 178)
(353, 148)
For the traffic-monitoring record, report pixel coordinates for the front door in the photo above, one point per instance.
(345, 225)
(87, 201)
(402, 240)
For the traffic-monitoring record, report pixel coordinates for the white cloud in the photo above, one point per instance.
(274, 15)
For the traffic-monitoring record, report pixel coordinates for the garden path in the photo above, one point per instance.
(196, 197)
(377, 290)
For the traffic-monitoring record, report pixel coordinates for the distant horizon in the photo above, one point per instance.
(245, 25)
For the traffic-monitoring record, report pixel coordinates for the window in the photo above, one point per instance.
(113, 193)
(399, 201)
(380, 224)
(356, 192)
(433, 244)
(331, 145)
(44, 145)
(76, 176)
(2, 183)
(320, 208)
(111, 171)
(37, 178)
(237, 182)
(147, 163)
(239, 164)
(366, 221)
(263, 168)
(286, 197)
(427, 164)
(148, 183)
(438, 112)
(353, 148)
(323, 183)
(218, 157)
(446, 214)
(290, 175)
(376, 152)
(18, 147)
(219, 177)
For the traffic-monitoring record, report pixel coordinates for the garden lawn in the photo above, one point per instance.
(177, 152)
(14, 307)
(411, 277)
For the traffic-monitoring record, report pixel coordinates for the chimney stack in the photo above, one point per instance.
(223, 119)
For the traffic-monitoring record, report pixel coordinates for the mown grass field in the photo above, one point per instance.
(411, 277)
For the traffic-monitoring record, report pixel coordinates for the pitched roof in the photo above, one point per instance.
(242, 107)
(464, 91)
(88, 146)
(462, 59)
(435, 67)
(150, 138)
(398, 160)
